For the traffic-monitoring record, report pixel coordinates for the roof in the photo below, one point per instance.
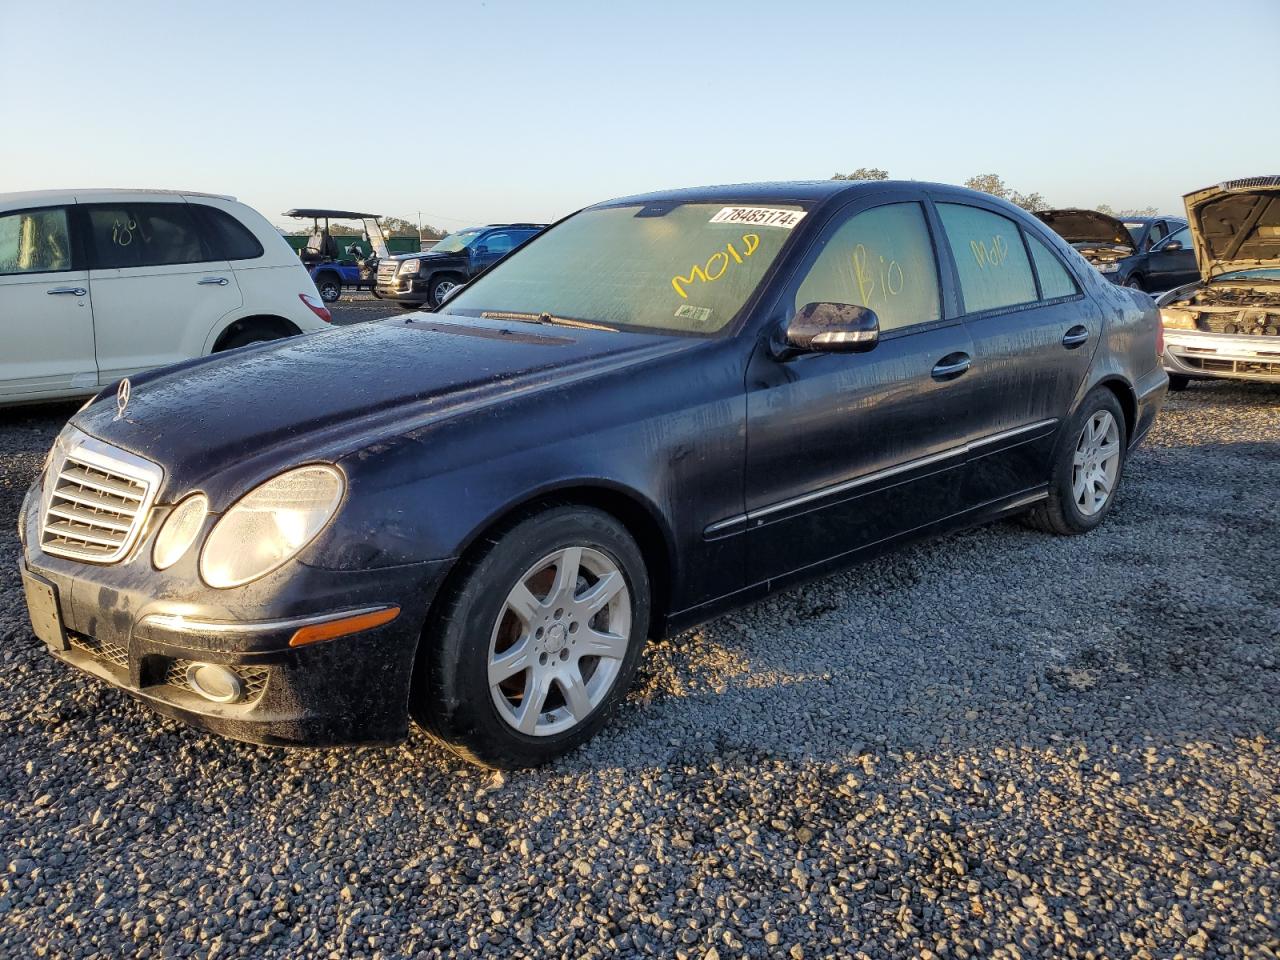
(90, 194)
(784, 191)
(318, 212)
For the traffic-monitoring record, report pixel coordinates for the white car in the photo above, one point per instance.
(99, 284)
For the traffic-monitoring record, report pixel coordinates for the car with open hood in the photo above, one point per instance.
(1226, 323)
(660, 408)
(1146, 253)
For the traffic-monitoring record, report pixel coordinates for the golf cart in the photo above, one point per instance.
(337, 262)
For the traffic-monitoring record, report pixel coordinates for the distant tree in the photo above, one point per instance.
(1128, 212)
(863, 173)
(993, 184)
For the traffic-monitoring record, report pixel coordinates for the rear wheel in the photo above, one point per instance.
(246, 337)
(1178, 383)
(329, 286)
(1087, 464)
(537, 641)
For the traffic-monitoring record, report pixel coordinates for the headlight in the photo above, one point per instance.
(409, 266)
(1171, 318)
(270, 525)
(1108, 267)
(179, 531)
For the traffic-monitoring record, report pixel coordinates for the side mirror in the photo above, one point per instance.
(833, 328)
(1171, 246)
(481, 250)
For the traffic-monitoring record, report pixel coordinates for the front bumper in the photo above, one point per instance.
(408, 289)
(138, 629)
(1229, 356)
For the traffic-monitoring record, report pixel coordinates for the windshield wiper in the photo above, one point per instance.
(544, 317)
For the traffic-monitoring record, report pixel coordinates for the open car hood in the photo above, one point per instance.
(1089, 228)
(1236, 225)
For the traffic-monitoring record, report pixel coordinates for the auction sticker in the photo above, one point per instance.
(759, 217)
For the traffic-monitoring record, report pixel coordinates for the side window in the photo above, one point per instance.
(144, 235)
(1157, 233)
(1055, 281)
(990, 258)
(498, 244)
(883, 259)
(35, 241)
(225, 236)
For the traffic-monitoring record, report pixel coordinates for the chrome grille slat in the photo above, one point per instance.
(97, 498)
(76, 515)
(103, 481)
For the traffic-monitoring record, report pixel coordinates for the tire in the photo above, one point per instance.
(1178, 383)
(476, 625)
(329, 287)
(246, 337)
(1062, 513)
(441, 285)
(1135, 283)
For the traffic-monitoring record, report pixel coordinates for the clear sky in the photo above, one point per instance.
(500, 110)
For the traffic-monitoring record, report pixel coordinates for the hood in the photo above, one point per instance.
(1236, 225)
(244, 414)
(1089, 228)
(426, 255)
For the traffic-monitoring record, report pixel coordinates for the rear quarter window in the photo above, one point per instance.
(1055, 280)
(226, 236)
(144, 235)
(993, 265)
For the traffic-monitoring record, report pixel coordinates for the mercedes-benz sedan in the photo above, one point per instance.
(662, 407)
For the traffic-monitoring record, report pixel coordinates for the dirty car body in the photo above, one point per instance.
(1226, 324)
(738, 455)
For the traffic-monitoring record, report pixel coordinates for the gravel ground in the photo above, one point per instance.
(1001, 744)
(358, 307)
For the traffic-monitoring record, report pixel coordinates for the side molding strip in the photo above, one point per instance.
(844, 486)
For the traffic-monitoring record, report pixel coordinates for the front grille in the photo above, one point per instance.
(254, 678)
(96, 499)
(1257, 368)
(387, 271)
(102, 650)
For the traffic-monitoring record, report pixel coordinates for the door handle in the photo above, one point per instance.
(1075, 336)
(207, 281)
(951, 366)
(72, 291)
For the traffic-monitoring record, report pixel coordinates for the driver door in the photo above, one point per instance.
(1168, 268)
(849, 450)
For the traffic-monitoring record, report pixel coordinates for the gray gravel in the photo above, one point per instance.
(1001, 744)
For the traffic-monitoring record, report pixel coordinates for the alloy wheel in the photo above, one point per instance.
(1096, 463)
(559, 641)
(442, 290)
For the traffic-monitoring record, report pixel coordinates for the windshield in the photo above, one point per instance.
(1261, 273)
(455, 242)
(682, 267)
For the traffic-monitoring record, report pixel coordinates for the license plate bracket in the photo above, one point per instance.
(46, 615)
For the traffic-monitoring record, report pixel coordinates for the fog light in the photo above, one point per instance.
(215, 682)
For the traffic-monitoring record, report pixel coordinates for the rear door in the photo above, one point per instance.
(1034, 334)
(1172, 263)
(46, 316)
(157, 287)
(846, 450)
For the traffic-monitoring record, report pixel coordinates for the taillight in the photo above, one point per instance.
(317, 307)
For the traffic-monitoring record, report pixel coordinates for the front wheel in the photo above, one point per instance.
(1135, 283)
(1087, 463)
(440, 287)
(537, 641)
